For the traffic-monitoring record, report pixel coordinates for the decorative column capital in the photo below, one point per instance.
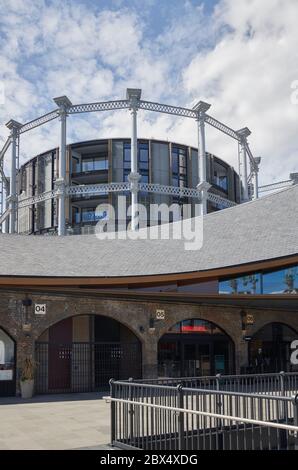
(133, 95)
(201, 108)
(60, 186)
(11, 198)
(14, 126)
(243, 133)
(204, 186)
(63, 103)
(134, 179)
(203, 189)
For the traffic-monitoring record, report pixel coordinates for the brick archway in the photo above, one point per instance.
(81, 353)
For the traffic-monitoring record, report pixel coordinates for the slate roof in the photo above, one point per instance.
(255, 231)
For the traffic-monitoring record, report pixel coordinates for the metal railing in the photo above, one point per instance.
(279, 384)
(164, 417)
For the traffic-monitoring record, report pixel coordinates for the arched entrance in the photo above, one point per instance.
(269, 348)
(7, 365)
(82, 353)
(195, 348)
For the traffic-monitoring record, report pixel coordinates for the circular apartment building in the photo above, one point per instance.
(109, 161)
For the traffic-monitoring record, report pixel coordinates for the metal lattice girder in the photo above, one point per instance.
(251, 158)
(169, 190)
(104, 106)
(91, 189)
(39, 121)
(279, 185)
(220, 200)
(186, 112)
(164, 108)
(4, 216)
(5, 148)
(221, 127)
(29, 201)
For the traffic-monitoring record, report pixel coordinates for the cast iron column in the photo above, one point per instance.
(243, 134)
(64, 104)
(14, 127)
(201, 107)
(133, 95)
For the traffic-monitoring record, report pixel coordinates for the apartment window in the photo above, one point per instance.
(179, 167)
(76, 216)
(94, 163)
(220, 177)
(143, 161)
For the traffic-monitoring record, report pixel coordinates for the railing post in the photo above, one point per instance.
(295, 408)
(282, 383)
(283, 434)
(131, 411)
(113, 412)
(181, 437)
(218, 398)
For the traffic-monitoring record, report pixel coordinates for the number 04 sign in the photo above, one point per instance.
(40, 309)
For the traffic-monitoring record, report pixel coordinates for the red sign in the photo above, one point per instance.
(194, 329)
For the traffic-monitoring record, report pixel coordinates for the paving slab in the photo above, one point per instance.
(54, 422)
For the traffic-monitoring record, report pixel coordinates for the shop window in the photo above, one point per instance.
(7, 358)
(284, 281)
(250, 284)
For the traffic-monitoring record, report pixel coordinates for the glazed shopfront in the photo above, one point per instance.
(7, 364)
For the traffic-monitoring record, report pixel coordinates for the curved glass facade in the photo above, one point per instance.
(106, 161)
(281, 281)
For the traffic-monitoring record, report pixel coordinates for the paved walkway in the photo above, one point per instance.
(54, 422)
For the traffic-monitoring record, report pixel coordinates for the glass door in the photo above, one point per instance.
(196, 360)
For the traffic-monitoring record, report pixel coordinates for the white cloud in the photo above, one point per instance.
(242, 60)
(247, 78)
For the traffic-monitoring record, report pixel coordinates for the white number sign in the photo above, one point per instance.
(40, 309)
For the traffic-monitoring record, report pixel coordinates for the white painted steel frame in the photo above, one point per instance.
(126, 104)
(105, 188)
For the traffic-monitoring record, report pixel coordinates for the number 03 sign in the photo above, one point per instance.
(40, 309)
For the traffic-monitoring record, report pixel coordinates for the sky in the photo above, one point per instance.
(239, 56)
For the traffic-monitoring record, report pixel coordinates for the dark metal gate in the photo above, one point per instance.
(84, 367)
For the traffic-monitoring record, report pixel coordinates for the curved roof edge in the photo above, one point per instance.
(260, 234)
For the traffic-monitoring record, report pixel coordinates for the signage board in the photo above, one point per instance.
(40, 309)
(6, 374)
(250, 319)
(160, 314)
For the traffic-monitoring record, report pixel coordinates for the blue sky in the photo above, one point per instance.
(231, 54)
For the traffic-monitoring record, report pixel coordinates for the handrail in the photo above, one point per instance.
(205, 413)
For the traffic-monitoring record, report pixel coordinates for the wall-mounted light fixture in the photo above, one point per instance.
(151, 325)
(26, 302)
(243, 321)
